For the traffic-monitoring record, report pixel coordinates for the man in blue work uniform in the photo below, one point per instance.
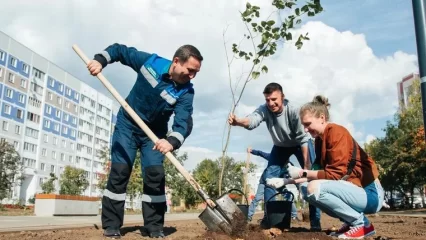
(162, 88)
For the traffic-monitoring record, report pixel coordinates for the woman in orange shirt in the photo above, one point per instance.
(347, 184)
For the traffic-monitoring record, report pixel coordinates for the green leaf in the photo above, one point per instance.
(298, 21)
(297, 11)
(253, 24)
(248, 19)
(311, 14)
(263, 23)
(265, 69)
(270, 22)
(255, 75)
(289, 37)
(257, 14)
(248, 5)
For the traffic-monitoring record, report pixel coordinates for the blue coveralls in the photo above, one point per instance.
(154, 97)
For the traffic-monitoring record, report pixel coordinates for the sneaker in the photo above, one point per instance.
(358, 232)
(158, 234)
(249, 219)
(112, 233)
(344, 228)
(315, 229)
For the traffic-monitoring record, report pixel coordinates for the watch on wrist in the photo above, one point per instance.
(304, 174)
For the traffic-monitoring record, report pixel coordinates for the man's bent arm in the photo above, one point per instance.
(182, 123)
(128, 56)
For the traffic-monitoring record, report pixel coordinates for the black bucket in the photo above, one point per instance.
(243, 207)
(278, 213)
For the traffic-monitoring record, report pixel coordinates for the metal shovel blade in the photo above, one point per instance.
(226, 216)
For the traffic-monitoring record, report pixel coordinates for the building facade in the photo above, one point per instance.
(403, 88)
(52, 118)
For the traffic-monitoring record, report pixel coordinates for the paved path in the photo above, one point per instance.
(25, 223)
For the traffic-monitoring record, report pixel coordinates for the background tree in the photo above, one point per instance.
(104, 155)
(73, 181)
(260, 41)
(135, 185)
(181, 189)
(11, 169)
(49, 186)
(401, 153)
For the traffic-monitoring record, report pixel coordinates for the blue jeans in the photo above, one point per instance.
(257, 198)
(344, 200)
(276, 167)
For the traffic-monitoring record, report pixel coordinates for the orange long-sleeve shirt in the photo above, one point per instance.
(334, 151)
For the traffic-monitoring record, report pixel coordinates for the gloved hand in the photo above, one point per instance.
(276, 182)
(294, 172)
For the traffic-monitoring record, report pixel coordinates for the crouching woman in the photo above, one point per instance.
(347, 186)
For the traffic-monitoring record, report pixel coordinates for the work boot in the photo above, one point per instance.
(112, 233)
(264, 224)
(157, 234)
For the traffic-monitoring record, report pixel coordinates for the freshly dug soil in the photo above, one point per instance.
(387, 227)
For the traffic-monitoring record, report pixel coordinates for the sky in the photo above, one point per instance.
(357, 52)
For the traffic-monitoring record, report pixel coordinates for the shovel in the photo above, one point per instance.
(222, 215)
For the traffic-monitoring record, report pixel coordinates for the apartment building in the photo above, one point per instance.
(403, 88)
(52, 118)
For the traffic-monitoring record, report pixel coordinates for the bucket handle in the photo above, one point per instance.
(282, 192)
(238, 190)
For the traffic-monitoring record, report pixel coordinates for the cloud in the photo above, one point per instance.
(338, 64)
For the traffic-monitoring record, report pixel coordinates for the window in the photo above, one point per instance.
(2, 56)
(1, 71)
(38, 74)
(11, 78)
(46, 138)
(89, 150)
(30, 147)
(16, 145)
(47, 123)
(48, 109)
(17, 129)
(68, 91)
(20, 114)
(7, 109)
(5, 126)
(62, 157)
(76, 96)
(66, 117)
(44, 152)
(42, 166)
(72, 146)
(72, 133)
(25, 68)
(67, 104)
(53, 154)
(13, 62)
(74, 120)
(57, 127)
(77, 159)
(52, 168)
(70, 159)
(65, 129)
(36, 88)
(30, 132)
(50, 95)
(51, 82)
(33, 117)
(59, 100)
(58, 113)
(34, 102)
(9, 93)
(61, 87)
(64, 143)
(21, 98)
(23, 83)
(55, 141)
